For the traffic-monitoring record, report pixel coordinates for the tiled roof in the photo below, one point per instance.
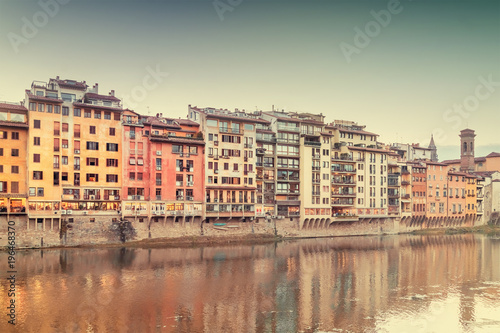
(8, 106)
(493, 155)
(242, 119)
(177, 139)
(76, 85)
(342, 129)
(100, 107)
(102, 97)
(375, 150)
(229, 187)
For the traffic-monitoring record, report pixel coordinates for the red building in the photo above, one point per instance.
(163, 169)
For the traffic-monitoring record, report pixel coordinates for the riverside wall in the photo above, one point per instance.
(105, 230)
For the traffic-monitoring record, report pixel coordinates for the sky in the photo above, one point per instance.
(405, 69)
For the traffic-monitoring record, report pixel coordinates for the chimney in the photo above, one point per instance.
(57, 77)
(157, 115)
(96, 88)
(112, 93)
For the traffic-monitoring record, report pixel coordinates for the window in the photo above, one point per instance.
(36, 123)
(32, 191)
(117, 116)
(92, 161)
(112, 131)
(57, 109)
(36, 141)
(139, 176)
(1, 151)
(111, 147)
(97, 114)
(111, 162)
(65, 111)
(77, 130)
(38, 175)
(92, 129)
(92, 145)
(65, 160)
(14, 169)
(92, 177)
(132, 161)
(15, 135)
(112, 178)
(41, 107)
(15, 152)
(176, 148)
(87, 114)
(14, 187)
(39, 191)
(65, 143)
(3, 187)
(56, 144)
(77, 112)
(3, 135)
(32, 106)
(107, 115)
(131, 176)
(36, 158)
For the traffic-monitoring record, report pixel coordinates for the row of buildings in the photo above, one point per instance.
(70, 153)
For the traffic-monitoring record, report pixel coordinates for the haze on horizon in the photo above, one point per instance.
(428, 67)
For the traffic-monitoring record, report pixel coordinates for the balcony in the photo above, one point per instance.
(230, 130)
(76, 167)
(342, 158)
(312, 143)
(346, 170)
(56, 165)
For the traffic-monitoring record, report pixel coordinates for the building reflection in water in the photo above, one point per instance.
(410, 283)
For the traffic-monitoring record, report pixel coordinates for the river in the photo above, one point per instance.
(405, 283)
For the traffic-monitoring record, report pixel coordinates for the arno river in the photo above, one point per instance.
(360, 284)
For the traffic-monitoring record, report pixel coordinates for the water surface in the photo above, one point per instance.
(360, 284)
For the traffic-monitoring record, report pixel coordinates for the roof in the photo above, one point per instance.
(230, 187)
(436, 163)
(8, 106)
(176, 139)
(71, 84)
(477, 159)
(493, 155)
(101, 107)
(242, 119)
(42, 98)
(343, 129)
(375, 150)
(102, 97)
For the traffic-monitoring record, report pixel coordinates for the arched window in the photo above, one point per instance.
(465, 147)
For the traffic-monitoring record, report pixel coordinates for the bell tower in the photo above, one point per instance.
(467, 150)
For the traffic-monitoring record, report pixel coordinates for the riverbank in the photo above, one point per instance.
(490, 230)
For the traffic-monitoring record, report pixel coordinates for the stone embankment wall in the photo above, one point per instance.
(105, 231)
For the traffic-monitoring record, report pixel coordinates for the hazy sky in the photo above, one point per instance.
(405, 69)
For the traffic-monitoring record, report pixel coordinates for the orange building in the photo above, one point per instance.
(13, 144)
(457, 194)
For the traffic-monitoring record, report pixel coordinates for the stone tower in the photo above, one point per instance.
(432, 146)
(467, 150)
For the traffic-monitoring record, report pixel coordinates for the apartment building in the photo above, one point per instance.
(287, 160)
(437, 188)
(13, 164)
(266, 171)
(419, 189)
(315, 188)
(230, 157)
(74, 149)
(406, 189)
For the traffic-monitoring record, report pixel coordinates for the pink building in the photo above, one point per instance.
(163, 169)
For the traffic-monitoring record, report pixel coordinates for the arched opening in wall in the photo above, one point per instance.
(305, 224)
(322, 223)
(328, 221)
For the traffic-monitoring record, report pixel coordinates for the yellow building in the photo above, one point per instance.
(13, 138)
(471, 196)
(74, 152)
